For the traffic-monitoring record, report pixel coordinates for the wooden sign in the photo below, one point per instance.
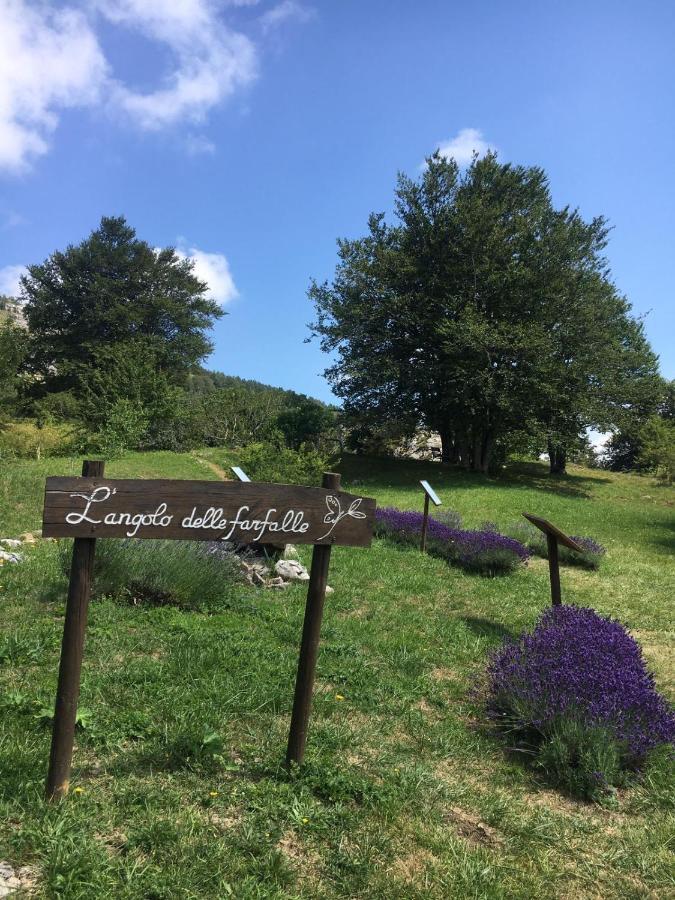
(429, 494)
(239, 472)
(205, 511)
(92, 507)
(549, 528)
(554, 536)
